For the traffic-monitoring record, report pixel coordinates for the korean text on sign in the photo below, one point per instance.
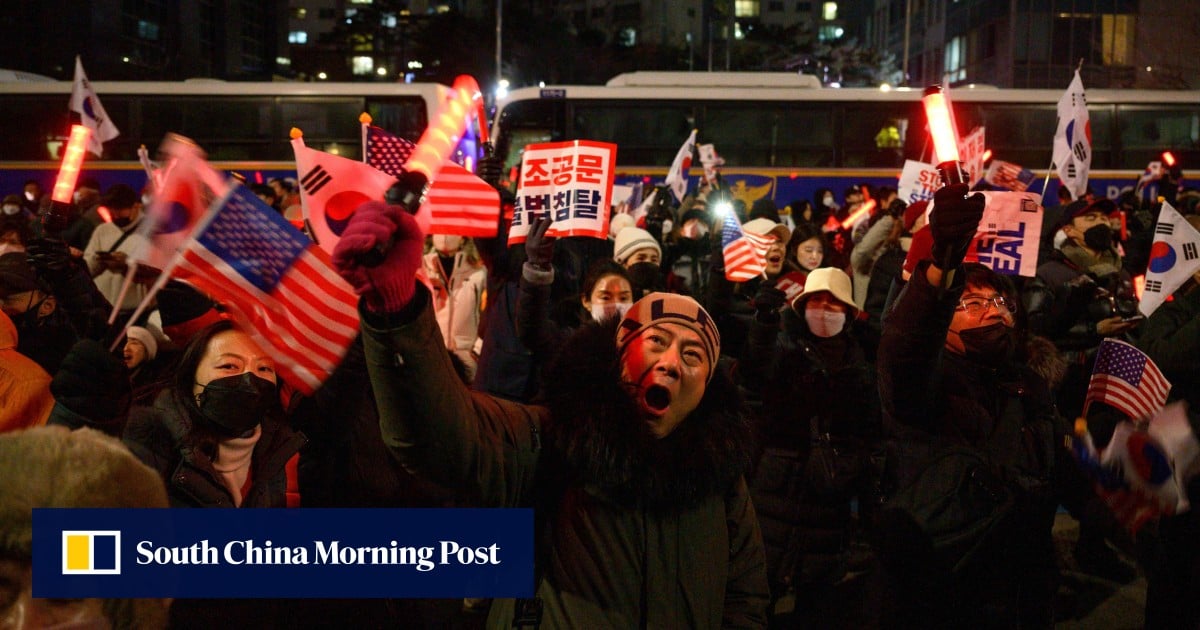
(571, 182)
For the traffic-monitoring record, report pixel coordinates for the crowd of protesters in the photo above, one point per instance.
(701, 452)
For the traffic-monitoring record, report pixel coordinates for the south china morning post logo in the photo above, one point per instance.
(297, 553)
(91, 552)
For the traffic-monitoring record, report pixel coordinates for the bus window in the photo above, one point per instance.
(404, 117)
(647, 132)
(34, 127)
(329, 124)
(529, 122)
(232, 128)
(872, 134)
(770, 134)
(1148, 131)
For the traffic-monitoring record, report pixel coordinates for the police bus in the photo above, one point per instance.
(784, 136)
(242, 126)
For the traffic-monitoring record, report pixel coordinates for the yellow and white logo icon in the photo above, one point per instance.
(91, 552)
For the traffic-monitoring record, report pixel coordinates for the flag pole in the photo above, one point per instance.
(128, 281)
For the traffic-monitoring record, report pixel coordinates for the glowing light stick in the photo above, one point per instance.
(853, 218)
(945, 138)
(68, 173)
(1168, 158)
(987, 154)
(432, 150)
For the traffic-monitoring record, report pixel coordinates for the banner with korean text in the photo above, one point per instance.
(569, 181)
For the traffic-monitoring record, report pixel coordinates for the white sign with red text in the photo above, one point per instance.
(571, 182)
(918, 181)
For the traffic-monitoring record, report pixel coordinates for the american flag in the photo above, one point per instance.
(745, 253)
(458, 202)
(1127, 379)
(279, 286)
(1009, 176)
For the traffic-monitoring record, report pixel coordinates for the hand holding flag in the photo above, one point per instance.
(745, 253)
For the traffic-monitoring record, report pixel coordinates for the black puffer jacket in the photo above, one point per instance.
(161, 436)
(810, 386)
(933, 400)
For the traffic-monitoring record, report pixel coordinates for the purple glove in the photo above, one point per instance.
(389, 287)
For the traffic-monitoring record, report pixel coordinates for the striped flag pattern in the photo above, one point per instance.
(745, 253)
(458, 202)
(280, 287)
(1127, 379)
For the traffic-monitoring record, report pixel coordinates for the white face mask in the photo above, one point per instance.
(11, 210)
(601, 312)
(824, 323)
(446, 243)
(828, 201)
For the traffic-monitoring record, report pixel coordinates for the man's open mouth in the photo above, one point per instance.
(657, 398)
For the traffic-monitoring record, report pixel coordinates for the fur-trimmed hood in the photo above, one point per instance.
(603, 443)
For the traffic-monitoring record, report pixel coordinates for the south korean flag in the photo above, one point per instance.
(1174, 257)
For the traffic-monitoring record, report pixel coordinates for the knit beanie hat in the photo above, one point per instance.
(631, 239)
(670, 308)
(146, 338)
(618, 223)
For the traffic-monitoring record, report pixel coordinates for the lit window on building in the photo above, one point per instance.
(829, 11)
(830, 32)
(627, 37)
(746, 8)
(299, 13)
(362, 65)
(956, 59)
(389, 20)
(362, 1)
(298, 37)
(1117, 35)
(147, 30)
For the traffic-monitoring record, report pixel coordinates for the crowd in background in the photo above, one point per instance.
(856, 358)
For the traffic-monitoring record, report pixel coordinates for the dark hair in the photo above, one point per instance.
(982, 276)
(19, 225)
(598, 271)
(201, 435)
(804, 231)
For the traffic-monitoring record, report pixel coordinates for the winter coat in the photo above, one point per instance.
(458, 301)
(637, 532)
(161, 436)
(809, 383)
(103, 239)
(25, 399)
(933, 400)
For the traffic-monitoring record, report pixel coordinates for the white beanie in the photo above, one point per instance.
(619, 222)
(146, 338)
(631, 239)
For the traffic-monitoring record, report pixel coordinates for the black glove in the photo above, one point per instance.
(50, 258)
(491, 167)
(92, 383)
(767, 303)
(539, 248)
(953, 224)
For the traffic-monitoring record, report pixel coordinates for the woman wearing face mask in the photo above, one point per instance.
(817, 392)
(607, 292)
(459, 280)
(218, 438)
(217, 435)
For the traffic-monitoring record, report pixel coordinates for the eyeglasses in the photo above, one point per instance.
(978, 305)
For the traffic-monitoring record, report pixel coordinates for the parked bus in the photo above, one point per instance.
(783, 136)
(242, 126)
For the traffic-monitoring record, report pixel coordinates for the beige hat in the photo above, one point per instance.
(619, 222)
(146, 338)
(631, 239)
(670, 308)
(830, 279)
(763, 227)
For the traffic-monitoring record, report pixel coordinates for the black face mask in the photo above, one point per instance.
(121, 221)
(236, 404)
(992, 345)
(646, 277)
(1099, 237)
